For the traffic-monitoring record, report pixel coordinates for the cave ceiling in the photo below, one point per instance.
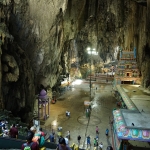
(40, 39)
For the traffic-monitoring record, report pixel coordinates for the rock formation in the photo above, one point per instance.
(40, 39)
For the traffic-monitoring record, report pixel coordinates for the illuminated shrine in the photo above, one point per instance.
(127, 70)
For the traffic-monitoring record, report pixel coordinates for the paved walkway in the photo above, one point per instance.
(73, 100)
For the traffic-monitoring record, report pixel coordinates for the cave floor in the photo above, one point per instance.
(73, 101)
(103, 103)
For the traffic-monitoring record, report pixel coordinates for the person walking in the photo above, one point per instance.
(33, 129)
(68, 134)
(30, 144)
(59, 133)
(66, 140)
(87, 112)
(101, 146)
(42, 133)
(13, 132)
(88, 141)
(62, 145)
(97, 130)
(95, 142)
(53, 131)
(51, 138)
(79, 138)
(97, 137)
(68, 114)
(35, 137)
(107, 132)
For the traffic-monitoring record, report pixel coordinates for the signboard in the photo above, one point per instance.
(36, 122)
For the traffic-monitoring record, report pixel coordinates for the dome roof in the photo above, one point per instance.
(43, 93)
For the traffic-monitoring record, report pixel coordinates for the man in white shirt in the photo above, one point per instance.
(68, 114)
(101, 146)
(66, 140)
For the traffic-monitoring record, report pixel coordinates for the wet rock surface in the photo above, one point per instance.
(42, 38)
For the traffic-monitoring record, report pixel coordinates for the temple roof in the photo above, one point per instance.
(138, 131)
(139, 119)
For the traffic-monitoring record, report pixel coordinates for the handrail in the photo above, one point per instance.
(7, 143)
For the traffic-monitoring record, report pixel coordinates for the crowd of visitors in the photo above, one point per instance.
(64, 141)
(96, 144)
(7, 131)
(35, 138)
(30, 144)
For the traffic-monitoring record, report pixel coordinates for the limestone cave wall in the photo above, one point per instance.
(40, 39)
(31, 46)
